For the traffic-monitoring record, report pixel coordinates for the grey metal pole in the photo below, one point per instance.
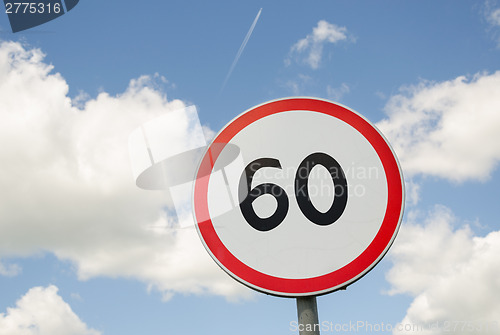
(307, 312)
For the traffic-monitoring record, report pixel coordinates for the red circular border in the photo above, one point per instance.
(304, 286)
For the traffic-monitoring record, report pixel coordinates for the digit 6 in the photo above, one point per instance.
(247, 196)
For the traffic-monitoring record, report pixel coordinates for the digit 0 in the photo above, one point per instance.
(339, 186)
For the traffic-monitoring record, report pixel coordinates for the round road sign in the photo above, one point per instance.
(314, 203)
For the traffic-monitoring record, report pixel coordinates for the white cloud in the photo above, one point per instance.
(312, 45)
(298, 86)
(67, 185)
(412, 192)
(494, 17)
(447, 129)
(41, 311)
(491, 13)
(9, 270)
(452, 275)
(336, 93)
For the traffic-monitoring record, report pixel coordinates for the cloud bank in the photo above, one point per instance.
(447, 129)
(41, 311)
(452, 275)
(67, 185)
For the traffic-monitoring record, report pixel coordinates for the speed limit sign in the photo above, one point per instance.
(313, 205)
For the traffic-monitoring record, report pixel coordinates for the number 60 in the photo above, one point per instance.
(247, 195)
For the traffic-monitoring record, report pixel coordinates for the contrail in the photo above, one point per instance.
(240, 51)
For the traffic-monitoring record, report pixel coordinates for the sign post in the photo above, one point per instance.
(313, 206)
(307, 315)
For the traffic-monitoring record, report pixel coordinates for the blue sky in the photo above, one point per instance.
(74, 229)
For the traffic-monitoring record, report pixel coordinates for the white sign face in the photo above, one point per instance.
(315, 204)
